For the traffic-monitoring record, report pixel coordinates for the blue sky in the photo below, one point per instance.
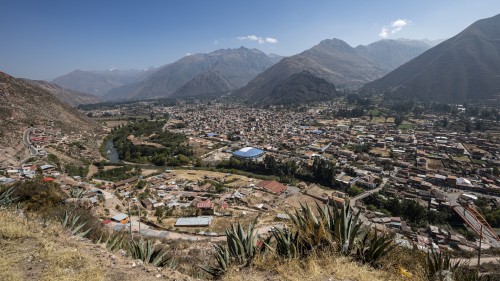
(45, 39)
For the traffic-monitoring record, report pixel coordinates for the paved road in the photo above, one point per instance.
(490, 236)
(352, 201)
(28, 145)
(27, 142)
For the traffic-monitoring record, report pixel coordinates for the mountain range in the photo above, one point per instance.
(464, 67)
(336, 62)
(237, 66)
(99, 82)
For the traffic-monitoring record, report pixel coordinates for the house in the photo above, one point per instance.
(272, 186)
(121, 218)
(206, 207)
(194, 221)
(124, 182)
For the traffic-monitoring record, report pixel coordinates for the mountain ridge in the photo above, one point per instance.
(237, 65)
(331, 59)
(464, 67)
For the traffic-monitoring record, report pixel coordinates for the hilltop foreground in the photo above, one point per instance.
(36, 250)
(32, 250)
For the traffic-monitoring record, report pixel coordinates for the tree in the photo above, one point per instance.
(159, 214)
(398, 120)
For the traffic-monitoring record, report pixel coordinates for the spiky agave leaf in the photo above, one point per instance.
(6, 197)
(373, 247)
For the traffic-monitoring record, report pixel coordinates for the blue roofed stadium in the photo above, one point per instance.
(248, 152)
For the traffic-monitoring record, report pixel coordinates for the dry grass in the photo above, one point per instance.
(313, 269)
(30, 252)
(12, 231)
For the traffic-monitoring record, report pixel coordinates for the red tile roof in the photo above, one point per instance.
(205, 205)
(272, 186)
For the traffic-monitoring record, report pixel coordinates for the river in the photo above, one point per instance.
(112, 153)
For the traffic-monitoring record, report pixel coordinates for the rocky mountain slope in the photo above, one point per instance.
(209, 83)
(464, 67)
(299, 87)
(98, 82)
(24, 105)
(238, 66)
(70, 97)
(335, 61)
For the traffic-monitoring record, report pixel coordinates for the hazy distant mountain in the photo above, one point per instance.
(390, 54)
(70, 97)
(299, 87)
(464, 67)
(98, 82)
(275, 57)
(238, 66)
(209, 83)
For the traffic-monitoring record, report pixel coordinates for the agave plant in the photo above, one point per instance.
(116, 241)
(6, 197)
(146, 251)
(346, 228)
(287, 243)
(242, 247)
(223, 258)
(72, 222)
(373, 247)
(312, 230)
(331, 227)
(76, 192)
(439, 265)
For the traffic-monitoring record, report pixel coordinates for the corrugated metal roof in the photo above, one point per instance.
(248, 152)
(119, 217)
(194, 221)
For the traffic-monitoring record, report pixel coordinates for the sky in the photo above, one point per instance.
(49, 38)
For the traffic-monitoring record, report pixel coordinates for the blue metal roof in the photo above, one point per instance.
(248, 152)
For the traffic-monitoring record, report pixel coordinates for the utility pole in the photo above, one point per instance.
(479, 256)
(130, 219)
(139, 208)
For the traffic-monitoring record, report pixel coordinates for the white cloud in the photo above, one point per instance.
(188, 54)
(384, 32)
(261, 40)
(271, 40)
(396, 26)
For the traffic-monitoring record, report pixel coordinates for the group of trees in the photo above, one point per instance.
(321, 171)
(173, 153)
(117, 174)
(491, 215)
(409, 210)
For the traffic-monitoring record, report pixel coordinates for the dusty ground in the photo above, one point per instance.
(195, 175)
(114, 123)
(31, 251)
(382, 151)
